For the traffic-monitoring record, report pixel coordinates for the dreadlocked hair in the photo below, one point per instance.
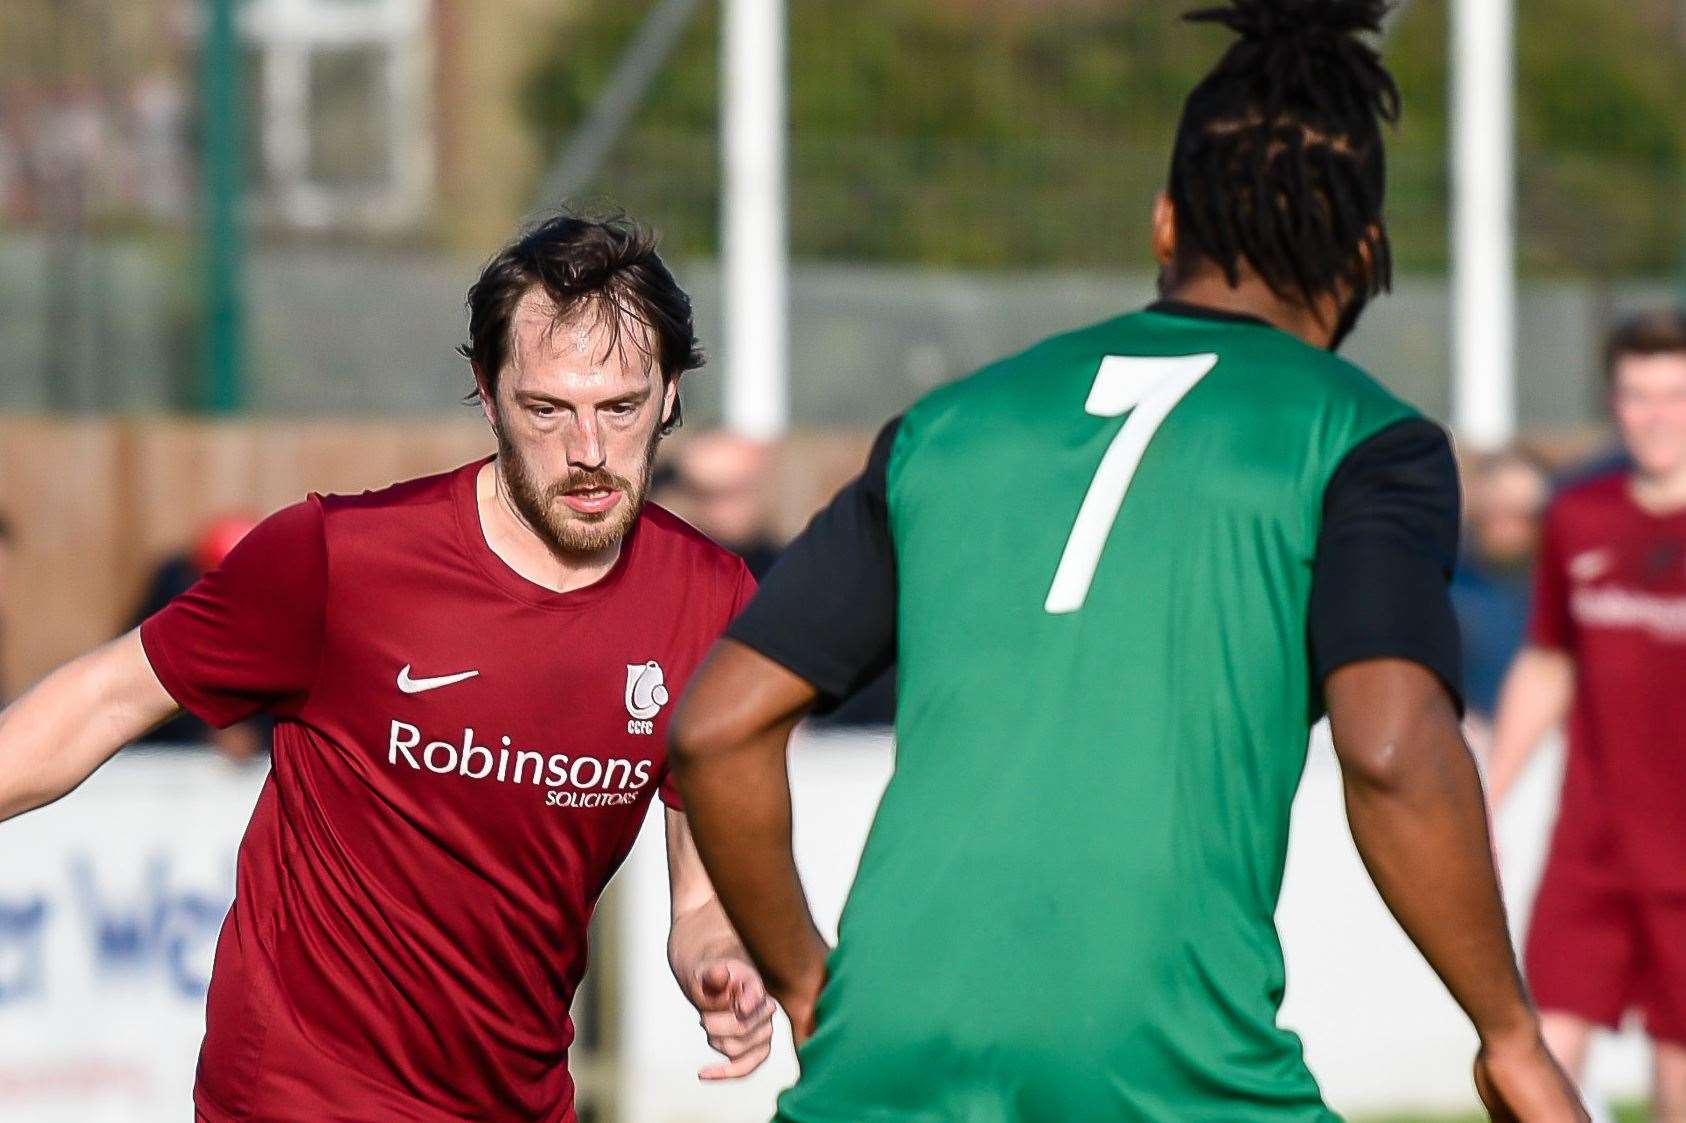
(1278, 159)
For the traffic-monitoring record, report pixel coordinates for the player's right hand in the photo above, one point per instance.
(737, 1015)
(802, 1022)
(800, 1004)
(1525, 1084)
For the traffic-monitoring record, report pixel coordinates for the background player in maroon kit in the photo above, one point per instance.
(1607, 649)
(470, 675)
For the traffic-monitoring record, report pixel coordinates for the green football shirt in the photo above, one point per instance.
(1103, 556)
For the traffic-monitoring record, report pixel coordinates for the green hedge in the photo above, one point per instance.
(1016, 134)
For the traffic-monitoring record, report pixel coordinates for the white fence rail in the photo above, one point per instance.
(110, 902)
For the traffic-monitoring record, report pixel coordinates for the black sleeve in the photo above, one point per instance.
(827, 611)
(1385, 557)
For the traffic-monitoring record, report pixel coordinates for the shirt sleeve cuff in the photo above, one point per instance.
(833, 683)
(178, 686)
(1428, 655)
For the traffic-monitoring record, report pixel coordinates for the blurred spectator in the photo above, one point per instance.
(8, 544)
(174, 576)
(1506, 497)
(717, 481)
(1606, 650)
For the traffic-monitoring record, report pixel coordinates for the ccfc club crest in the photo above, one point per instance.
(646, 694)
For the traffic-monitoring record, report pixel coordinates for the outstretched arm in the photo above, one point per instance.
(727, 744)
(1540, 686)
(710, 964)
(1536, 696)
(74, 720)
(1418, 815)
(246, 637)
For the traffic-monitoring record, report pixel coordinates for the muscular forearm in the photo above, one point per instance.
(738, 798)
(1426, 846)
(70, 723)
(1418, 816)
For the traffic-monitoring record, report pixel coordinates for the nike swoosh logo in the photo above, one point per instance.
(421, 685)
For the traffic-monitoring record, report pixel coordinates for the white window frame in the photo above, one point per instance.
(286, 33)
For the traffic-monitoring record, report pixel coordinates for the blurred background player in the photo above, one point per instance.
(1123, 573)
(1504, 498)
(1607, 650)
(470, 676)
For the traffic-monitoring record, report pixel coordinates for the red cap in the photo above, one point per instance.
(218, 537)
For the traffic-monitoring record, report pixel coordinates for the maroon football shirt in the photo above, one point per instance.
(462, 759)
(1611, 592)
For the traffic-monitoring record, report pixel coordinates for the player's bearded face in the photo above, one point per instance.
(578, 417)
(549, 505)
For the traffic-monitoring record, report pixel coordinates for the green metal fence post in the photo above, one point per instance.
(221, 185)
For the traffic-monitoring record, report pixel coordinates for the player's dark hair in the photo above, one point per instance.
(1278, 158)
(607, 267)
(1661, 331)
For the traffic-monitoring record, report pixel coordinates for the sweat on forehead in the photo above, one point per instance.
(539, 329)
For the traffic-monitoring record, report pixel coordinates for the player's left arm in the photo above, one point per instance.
(730, 740)
(1417, 815)
(710, 963)
(1385, 647)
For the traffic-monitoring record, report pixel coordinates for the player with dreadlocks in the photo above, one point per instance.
(1122, 574)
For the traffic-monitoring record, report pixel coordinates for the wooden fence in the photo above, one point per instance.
(97, 504)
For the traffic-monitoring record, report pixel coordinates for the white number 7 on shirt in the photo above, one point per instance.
(1153, 387)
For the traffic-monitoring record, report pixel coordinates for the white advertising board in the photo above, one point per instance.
(111, 900)
(110, 904)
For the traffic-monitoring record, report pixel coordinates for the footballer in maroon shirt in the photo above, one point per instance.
(471, 677)
(1607, 650)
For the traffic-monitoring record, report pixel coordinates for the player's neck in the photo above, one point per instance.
(1663, 494)
(1252, 297)
(519, 546)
